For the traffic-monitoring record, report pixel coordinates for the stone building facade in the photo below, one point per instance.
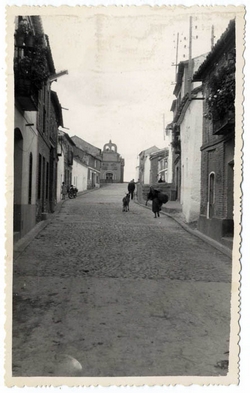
(37, 118)
(112, 166)
(217, 74)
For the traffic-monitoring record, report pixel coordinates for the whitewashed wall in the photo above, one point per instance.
(30, 136)
(60, 175)
(191, 140)
(79, 175)
(147, 167)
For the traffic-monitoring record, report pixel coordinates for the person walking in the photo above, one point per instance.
(131, 188)
(64, 190)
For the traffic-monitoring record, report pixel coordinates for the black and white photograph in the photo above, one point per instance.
(124, 194)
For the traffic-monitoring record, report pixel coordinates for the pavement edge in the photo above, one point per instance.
(196, 233)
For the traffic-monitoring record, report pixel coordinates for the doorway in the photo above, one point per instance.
(211, 194)
(18, 170)
(230, 189)
(109, 177)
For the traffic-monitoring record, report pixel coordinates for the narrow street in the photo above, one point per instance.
(124, 294)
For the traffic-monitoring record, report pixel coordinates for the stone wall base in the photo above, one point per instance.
(216, 228)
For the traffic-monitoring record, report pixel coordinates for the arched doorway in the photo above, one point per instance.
(211, 195)
(109, 177)
(18, 166)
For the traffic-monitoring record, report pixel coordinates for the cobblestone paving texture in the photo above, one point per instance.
(124, 293)
(100, 240)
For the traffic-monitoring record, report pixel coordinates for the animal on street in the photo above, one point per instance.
(125, 203)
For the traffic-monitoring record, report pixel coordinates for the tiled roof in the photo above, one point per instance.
(85, 146)
(227, 37)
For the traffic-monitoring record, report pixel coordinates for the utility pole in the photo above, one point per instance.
(176, 59)
(212, 37)
(164, 131)
(190, 59)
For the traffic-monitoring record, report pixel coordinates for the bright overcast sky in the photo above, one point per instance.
(120, 80)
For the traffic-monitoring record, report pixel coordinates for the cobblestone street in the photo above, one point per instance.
(124, 294)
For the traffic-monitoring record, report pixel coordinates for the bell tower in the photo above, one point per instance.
(110, 147)
(112, 167)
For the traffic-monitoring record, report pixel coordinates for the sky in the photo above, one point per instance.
(121, 70)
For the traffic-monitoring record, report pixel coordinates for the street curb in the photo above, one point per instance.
(196, 233)
(23, 243)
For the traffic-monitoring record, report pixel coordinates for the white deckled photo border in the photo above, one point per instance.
(238, 276)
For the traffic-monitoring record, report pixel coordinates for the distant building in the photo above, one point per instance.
(145, 164)
(159, 166)
(112, 166)
(79, 173)
(65, 161)
(91, 155)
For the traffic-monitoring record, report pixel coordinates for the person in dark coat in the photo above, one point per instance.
(156, 203)
(156, 207)
(131, 188)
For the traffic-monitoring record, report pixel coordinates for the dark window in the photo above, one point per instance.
(39, 176)
(211, 189)
(43, 185)
(47, 180)
(211, 195)
(44, 118)
(30, 177)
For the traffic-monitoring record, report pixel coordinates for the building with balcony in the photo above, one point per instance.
(112, 166)
(217, 74)
(37, 118)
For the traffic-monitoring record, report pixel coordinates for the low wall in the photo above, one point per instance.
(215, 228)
(110, 181)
